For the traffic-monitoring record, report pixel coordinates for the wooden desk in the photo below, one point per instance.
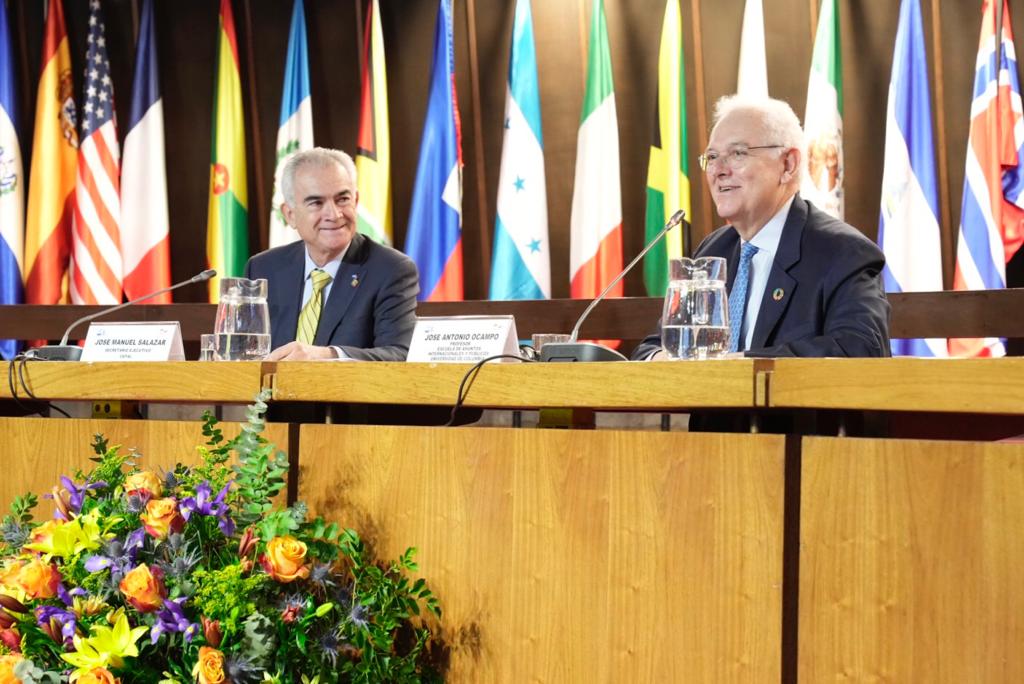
(176, 381)
(606, 386)
(903, 384)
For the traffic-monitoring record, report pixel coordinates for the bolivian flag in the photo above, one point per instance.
(227, 235)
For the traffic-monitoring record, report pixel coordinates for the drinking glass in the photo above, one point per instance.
(242, 326)
(695, 318)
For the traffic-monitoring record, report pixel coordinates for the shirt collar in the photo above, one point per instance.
(767, 239)
(331, 267)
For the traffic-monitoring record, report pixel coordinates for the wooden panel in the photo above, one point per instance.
(565, 556)
(914, 314)
(910, 561)
(904, 384)
(37, 451)
(724, 383)
(180, 381)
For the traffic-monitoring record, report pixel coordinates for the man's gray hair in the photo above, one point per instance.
(780, 122)
(318, 156)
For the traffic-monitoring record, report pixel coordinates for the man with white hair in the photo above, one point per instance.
(800, 282)
(335, 293)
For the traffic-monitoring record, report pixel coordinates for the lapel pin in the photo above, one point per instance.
(778, 293)
(355, 280)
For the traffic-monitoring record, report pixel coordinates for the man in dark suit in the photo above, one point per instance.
(335, 293)
(810, 284)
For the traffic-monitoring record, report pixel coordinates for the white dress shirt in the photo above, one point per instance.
(767, 242)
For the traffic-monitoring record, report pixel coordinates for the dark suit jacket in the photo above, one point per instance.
(370, 312)
(832, 300)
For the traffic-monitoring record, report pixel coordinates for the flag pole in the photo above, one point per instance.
(948, 230)
(478, 148)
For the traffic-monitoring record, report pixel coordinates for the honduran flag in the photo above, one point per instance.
(521, 265)
(908, 227)
(434, 236)
(295, 131)
(12, 186)
(991, 217)
(595, 248)
(145, 243)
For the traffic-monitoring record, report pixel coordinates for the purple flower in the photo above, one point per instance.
(74, 498)
(171, 618)
(54, 620)
(202, 504)
(119, 556)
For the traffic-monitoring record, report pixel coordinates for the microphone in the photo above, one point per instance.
(72, 352)
(590, 351)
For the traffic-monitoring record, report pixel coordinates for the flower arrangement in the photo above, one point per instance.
(194, 576)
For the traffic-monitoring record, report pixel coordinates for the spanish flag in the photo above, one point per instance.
(51, 196)
(227, 235)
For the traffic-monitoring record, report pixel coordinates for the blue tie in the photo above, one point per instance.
(738, 297)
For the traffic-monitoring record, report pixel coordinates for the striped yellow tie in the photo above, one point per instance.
(309, 317)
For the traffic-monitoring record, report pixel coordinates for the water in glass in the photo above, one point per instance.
(243, 320)
(695, 318)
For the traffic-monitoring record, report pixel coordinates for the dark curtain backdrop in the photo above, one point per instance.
(187, 32)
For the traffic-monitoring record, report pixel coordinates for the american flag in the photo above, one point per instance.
(96, 268)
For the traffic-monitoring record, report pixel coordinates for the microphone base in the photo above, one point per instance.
(57, 352)
(578, 351)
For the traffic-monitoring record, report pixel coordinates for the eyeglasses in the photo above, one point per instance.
(735, 158)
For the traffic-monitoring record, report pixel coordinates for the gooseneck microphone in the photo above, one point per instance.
(72, 352)
(590, 351)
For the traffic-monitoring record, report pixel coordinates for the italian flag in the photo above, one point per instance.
(227, 233)
(595, 252)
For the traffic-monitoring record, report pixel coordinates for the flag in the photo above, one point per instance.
(752, 79)
(595, 245)
(295, 131)
(12, 186)
(908, 226)
(434, 236)
(823, 118)
(51, 188)
(668, 177)
(96, 269)
(144, 224)
(521, 262)
(227, 236)
(373, 152)
(991, 216)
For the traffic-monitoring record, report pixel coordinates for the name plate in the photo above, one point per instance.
(463, 339)
(142, 341)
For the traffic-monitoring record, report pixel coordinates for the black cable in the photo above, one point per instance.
(470, 377)
(20, 360)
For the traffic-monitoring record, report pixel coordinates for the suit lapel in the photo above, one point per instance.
(286, 299)
(351, 274)
(780, 288)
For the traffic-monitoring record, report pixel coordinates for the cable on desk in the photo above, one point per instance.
(470, 376)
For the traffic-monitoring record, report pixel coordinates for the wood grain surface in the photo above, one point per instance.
(629, 386)
(178, 381)
(911, 557)
(900, 384)
(37, 451)
(574, 556)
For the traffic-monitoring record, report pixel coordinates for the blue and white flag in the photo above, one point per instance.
(296, 128)
(521, 265)
(908, 227)
(12, 186)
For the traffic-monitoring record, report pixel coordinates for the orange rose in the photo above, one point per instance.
(44, 533)
(146, 481)
(284, 559)
(144, 588)
(7, 663)
(161, 518)
(210, 668)
(38, 579)
(98, 675)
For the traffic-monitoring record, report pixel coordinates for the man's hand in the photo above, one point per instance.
(300, 351)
